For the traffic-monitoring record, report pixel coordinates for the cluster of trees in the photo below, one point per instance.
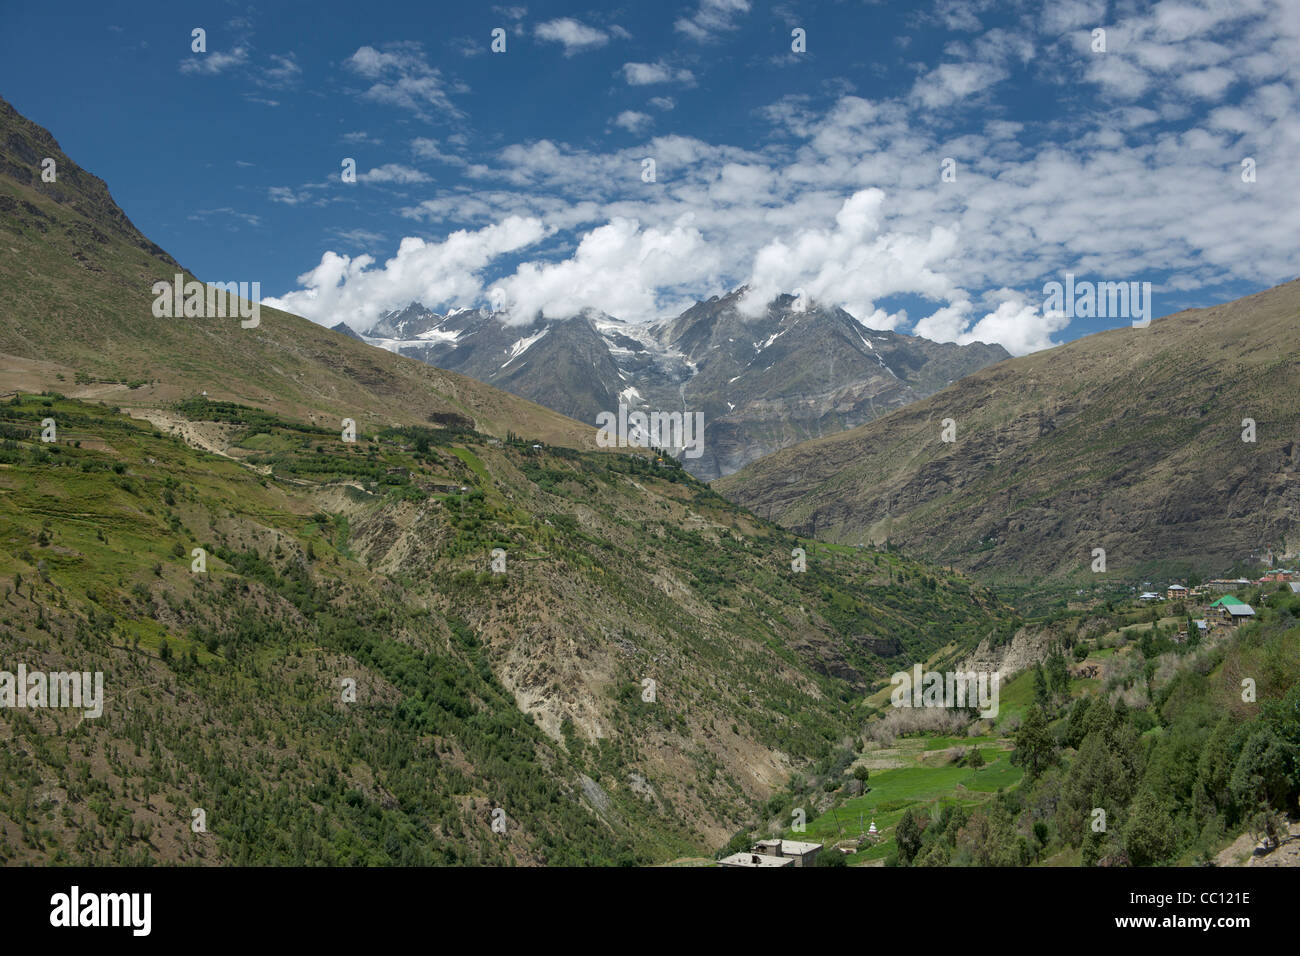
(1169, 780)
(1120, 800)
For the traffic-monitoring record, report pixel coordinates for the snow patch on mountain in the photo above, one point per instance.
(522, 346)
(441, 335)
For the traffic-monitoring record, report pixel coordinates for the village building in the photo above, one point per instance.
(1175, 592)
(1232, 610)
(803, 854)
(1224, 584)
(755, 861)
(1279, 576)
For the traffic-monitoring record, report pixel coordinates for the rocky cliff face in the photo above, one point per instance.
(1026, 648)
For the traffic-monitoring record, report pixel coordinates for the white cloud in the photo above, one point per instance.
(393, 173)
(854, 263)
(425, 148)
(949, 82)
(281, 71)
(286, 195)
(632, 121)
(1118, 77)
(645, 74)
(210, 64)
(1208, 84)
(1016, 324)
(576, 36)
(846, 202)
(402, 78)
(342, 288)
(620, 268)
(1066, 15)
(711, 18)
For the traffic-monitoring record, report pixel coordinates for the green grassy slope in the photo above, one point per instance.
(1183, 747)
(523, 690)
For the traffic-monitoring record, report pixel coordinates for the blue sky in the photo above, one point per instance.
(517, 179)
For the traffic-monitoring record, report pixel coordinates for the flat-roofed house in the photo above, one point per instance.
(804, 854)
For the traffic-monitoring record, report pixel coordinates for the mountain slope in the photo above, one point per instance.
(564, 364)
(762, 383)
(524, 690)
(76, 313)
(326, 561)
(1129, 440)
(792, 373)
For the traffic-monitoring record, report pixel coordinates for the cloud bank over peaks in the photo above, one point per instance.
(641, 272)
(342, 288)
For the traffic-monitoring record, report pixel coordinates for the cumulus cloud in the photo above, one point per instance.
(424, 148)
(575, 36)
(1017, 324)
(853, 263)
(280, 71)
(621, 268)
(342, 288)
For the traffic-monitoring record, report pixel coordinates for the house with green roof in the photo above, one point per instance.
(1233, 610)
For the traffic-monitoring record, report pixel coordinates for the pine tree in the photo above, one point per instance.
(907, 835)
(1042, 696)
(1035, 748)
(1149, 838)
